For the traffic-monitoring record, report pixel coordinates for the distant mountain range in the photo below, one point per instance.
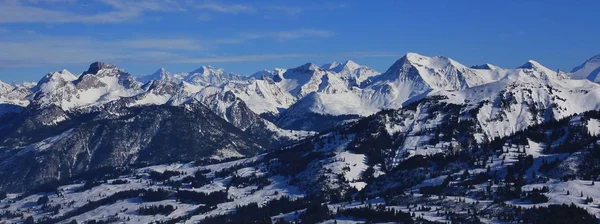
(340, 132)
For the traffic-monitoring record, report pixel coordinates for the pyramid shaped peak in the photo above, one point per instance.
(595, 58)
(97, 66)
(351, 65)
(160, 72)
(207, 69)
(531, 64)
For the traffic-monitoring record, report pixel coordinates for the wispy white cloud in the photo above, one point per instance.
(146, 5)
(277, 35)
(267, 57)
(45, 50)
(290, 10)
(18, 13)
(31, 50)
(225, 8)
(119, 11)
(293, 10)
(159, 44)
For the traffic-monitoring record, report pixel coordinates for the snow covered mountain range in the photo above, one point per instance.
(339, 133)
(282, 96)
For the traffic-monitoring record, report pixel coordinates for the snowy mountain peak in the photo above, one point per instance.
(268, 73)
(594, 59)
(351, 65)
(531, 64)
(411, 56)
(210, 76)
(485, 66)
(62, 76)
(161, 74)
(160, 71)
(538, 70)
(98, 66)
(590, 70)
(207, 70)
(307, 67)
(330, 65)
(5, 87)
(420, 65)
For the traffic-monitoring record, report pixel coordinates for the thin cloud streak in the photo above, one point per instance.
(17, 13)
(278, 35)
(224, 8)
(266, 57)
(120, 12)
(166, 57)
(43, 50)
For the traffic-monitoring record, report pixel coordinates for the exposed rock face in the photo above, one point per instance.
(38, 150)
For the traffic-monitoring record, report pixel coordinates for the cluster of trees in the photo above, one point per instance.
(10, 214)
(198, 180)
(155, 195)
(43, 200)
(209, 199)
(229, 170)
(89, 184)
(546, 166)
(146, 194)
(119, 181)
(158, 176)
(253, 213)
(376, 214)
(315, 213)
(260, 181)
(558, 214)
(156, 210)
(536, 195)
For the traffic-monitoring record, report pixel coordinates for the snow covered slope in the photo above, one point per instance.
(528, 95)
(337, 177)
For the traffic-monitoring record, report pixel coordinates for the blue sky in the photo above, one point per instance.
(39, 36)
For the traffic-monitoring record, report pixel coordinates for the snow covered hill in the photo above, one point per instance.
(536, 176)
